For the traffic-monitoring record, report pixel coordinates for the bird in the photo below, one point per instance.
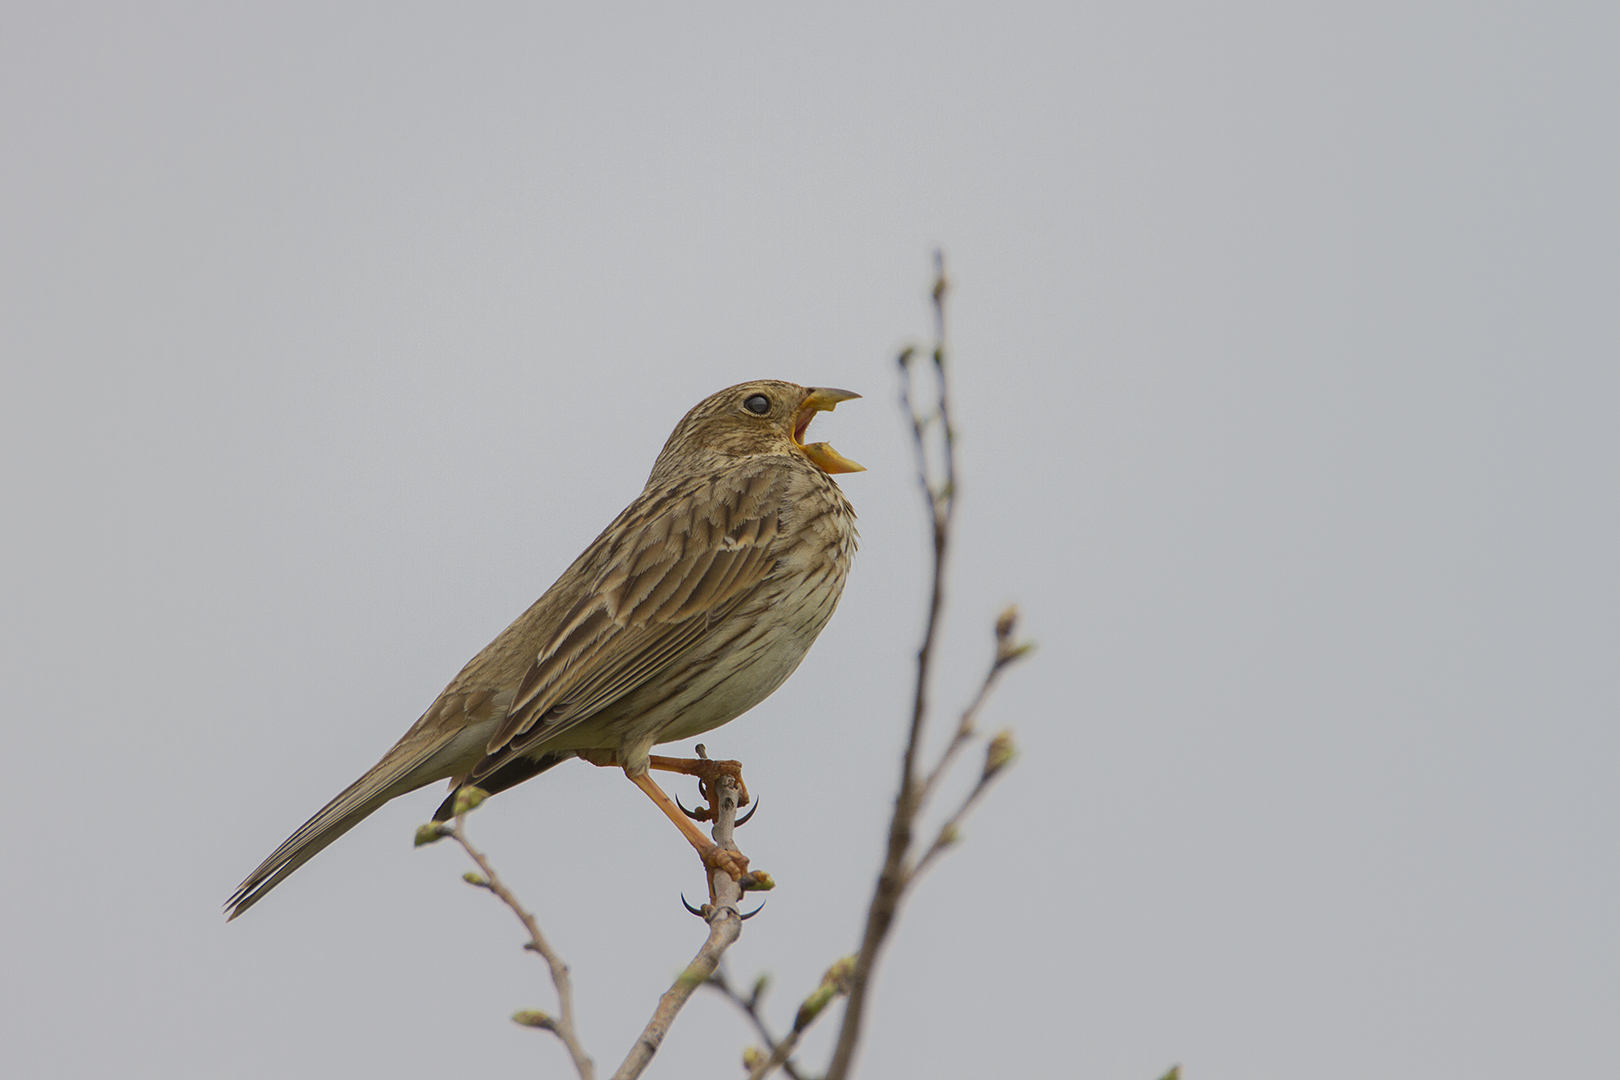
(690, 608)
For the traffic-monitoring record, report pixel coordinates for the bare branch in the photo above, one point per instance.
(562, 1025)
(1008, 651)
(941, 501)
(834, 984)
(934, 446)
(724, 927)
(998, 755)
(750, 1007)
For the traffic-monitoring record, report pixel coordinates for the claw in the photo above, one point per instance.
(700, 814)
(703, 912)
(744, 819)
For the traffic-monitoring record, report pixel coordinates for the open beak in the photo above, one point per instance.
(825, 457)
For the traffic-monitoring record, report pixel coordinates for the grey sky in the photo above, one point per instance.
(1286, 344)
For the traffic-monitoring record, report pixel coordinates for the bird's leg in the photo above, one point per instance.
(714, 856)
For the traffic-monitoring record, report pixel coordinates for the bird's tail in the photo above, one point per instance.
(335, 818)
(394, 775)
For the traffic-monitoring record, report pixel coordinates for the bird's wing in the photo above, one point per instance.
(670, 569)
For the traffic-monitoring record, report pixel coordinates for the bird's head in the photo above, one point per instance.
(751, 419)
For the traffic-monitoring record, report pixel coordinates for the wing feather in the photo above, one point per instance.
(655, 593)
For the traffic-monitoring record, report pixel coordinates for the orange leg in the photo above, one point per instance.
(714, 856)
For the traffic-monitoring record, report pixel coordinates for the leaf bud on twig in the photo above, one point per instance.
(1008, 647)
(433, 830)
(534, 1018)
(834, 983)
(999, 754)
(468, 799)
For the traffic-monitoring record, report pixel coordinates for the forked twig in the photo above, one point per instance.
(561, 1025)
(931, 431)
(751, 1008)
(834, 984)
(725, 924)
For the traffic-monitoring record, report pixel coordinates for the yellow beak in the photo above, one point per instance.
(822, 399)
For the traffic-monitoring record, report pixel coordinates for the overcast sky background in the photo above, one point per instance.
(1287, 348)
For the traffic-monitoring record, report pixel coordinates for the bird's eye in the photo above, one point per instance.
(758, 404)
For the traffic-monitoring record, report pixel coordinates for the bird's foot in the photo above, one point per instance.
(735, 864)
(732, 861)
(707, 770)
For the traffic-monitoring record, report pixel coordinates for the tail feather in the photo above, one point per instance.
(394, 775)
(301, 847)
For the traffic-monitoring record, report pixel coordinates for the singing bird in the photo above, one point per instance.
(688, 610)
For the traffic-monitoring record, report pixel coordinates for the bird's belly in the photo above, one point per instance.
(710, 706)
(738, 672)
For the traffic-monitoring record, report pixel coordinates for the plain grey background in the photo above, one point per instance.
(1286, 343)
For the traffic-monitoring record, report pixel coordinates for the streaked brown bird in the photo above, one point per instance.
(693, 605)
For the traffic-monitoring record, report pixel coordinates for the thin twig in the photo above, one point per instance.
(941, 501)
(997, 757)
(941, 287)
(750, 1007)
(778, 1057)
(562, 1025)
(834, 984)
(939, 488)
(724, 927)
(964, 726)
(949, 832)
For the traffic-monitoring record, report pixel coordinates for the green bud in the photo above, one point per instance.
(432, 831)
(834, 983)
(1008, 647)
(753, 1058)
(534, 1018)
(999, 754)
(1007, 623)
(1007, 652)
(757, 881)
(468, 799)
(818, 999)
(475, 879)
